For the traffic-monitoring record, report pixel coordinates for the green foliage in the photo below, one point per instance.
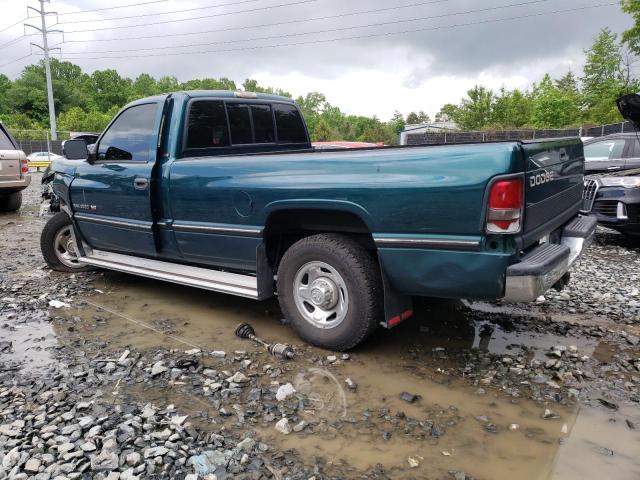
(416, 118)
(552, 107)
(631, 37)
(511, 109)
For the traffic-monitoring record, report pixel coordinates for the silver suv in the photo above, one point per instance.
(14, 172)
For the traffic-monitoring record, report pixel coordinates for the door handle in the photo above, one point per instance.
(140, 183)
(614, 168)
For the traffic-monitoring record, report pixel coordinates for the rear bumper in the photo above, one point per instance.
(10, 186)
(544, 266)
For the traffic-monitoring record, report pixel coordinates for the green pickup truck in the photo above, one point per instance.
(223, 191)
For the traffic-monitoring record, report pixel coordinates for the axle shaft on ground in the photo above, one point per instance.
(279, 350)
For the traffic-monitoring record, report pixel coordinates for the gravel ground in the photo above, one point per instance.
(71, 407)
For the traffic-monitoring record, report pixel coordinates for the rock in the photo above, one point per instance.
(408, 397)
(238, 377)
(155, 452)
(58, 304)
(105, 461)
(413, 463)
(300, 426)
(191, 476)
(514, 426)
(246, 445)
(133, 459)
(331, 358)
(218, 354)
(32, 465)
(178, 420)
(549, 414)
(351, 384)
(158, 368)
(283, 426)
(285, 391)
(88, 447)
(211, 462)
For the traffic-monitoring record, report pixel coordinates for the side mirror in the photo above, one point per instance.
(75, 150)
(629, 106)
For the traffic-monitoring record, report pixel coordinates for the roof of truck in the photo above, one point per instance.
(236, 94)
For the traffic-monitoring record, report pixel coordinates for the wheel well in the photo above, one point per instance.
(285, 227)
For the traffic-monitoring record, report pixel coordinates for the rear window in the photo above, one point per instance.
(290, 124)
(207, 125)
(263, 124)
(5, 142)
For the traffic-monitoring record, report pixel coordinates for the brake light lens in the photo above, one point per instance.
(506, 199)
(24, 166)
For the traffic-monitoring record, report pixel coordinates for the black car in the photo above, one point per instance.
(620, 151)
(614, 198)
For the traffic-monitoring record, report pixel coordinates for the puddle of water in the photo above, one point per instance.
(31, 343)
(601, 445)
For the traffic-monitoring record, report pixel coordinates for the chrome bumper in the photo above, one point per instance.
(544, 266)
(15, 184)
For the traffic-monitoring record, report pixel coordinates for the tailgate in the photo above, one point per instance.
(553, 185)
(10, 165)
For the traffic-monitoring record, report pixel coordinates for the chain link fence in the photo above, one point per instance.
(430, 138)
(32, 141)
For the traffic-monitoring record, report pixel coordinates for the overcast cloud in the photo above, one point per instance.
(370, 76)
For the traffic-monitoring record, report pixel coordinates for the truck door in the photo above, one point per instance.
(111, 197)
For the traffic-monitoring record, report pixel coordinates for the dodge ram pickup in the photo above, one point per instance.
(222, 191)
(14, 172)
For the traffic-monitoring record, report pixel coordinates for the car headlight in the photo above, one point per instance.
(625, 182)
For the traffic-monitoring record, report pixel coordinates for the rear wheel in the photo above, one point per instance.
(330, 290)
(11, 202)
(58, 247)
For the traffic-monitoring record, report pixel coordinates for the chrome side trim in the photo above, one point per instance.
(115, 223)
(217, 281)
(219, 230)
(391, 242)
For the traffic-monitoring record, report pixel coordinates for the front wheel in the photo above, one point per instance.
(330, 290)
(57, 245)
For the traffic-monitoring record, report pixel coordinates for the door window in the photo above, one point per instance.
(604, 150)
(207, 125)
(290, 124)
(130, 136)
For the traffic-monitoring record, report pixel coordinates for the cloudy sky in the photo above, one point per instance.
(369, 57)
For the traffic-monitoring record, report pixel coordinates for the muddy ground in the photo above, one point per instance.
(105, 375)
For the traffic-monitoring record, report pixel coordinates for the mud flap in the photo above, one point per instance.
(397, 306)
(264, 273)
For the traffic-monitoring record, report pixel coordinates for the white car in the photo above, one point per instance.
(43, 157)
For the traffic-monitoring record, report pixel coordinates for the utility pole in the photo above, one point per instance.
(47, 66)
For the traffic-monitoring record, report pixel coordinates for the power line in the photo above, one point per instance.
(112, 8)
(15, 60)
(11, 42)
(13, 25)
(330, 30)
(164, 22)
(160, 13)
(274, 24)
(354, 37)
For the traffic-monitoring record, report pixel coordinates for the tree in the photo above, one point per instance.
(397, 123)
(511, 109)
(110, 89)
(447, 113)
(416, 118)
(474, 112)
(631, 37)
(552, 108)
(603, 80)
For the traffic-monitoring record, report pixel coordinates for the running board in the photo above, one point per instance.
(217, 281)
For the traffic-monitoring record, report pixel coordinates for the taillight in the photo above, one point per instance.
(24, 166)
(506, 199)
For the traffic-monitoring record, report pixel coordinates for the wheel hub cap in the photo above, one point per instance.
(321, 295)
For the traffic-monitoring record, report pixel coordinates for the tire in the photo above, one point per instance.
(11, 202)
(55, 246)
(353, 276)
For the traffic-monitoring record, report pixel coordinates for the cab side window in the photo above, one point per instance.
(130, 136)
(207, 125)
(604, 150)
(290, 124)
